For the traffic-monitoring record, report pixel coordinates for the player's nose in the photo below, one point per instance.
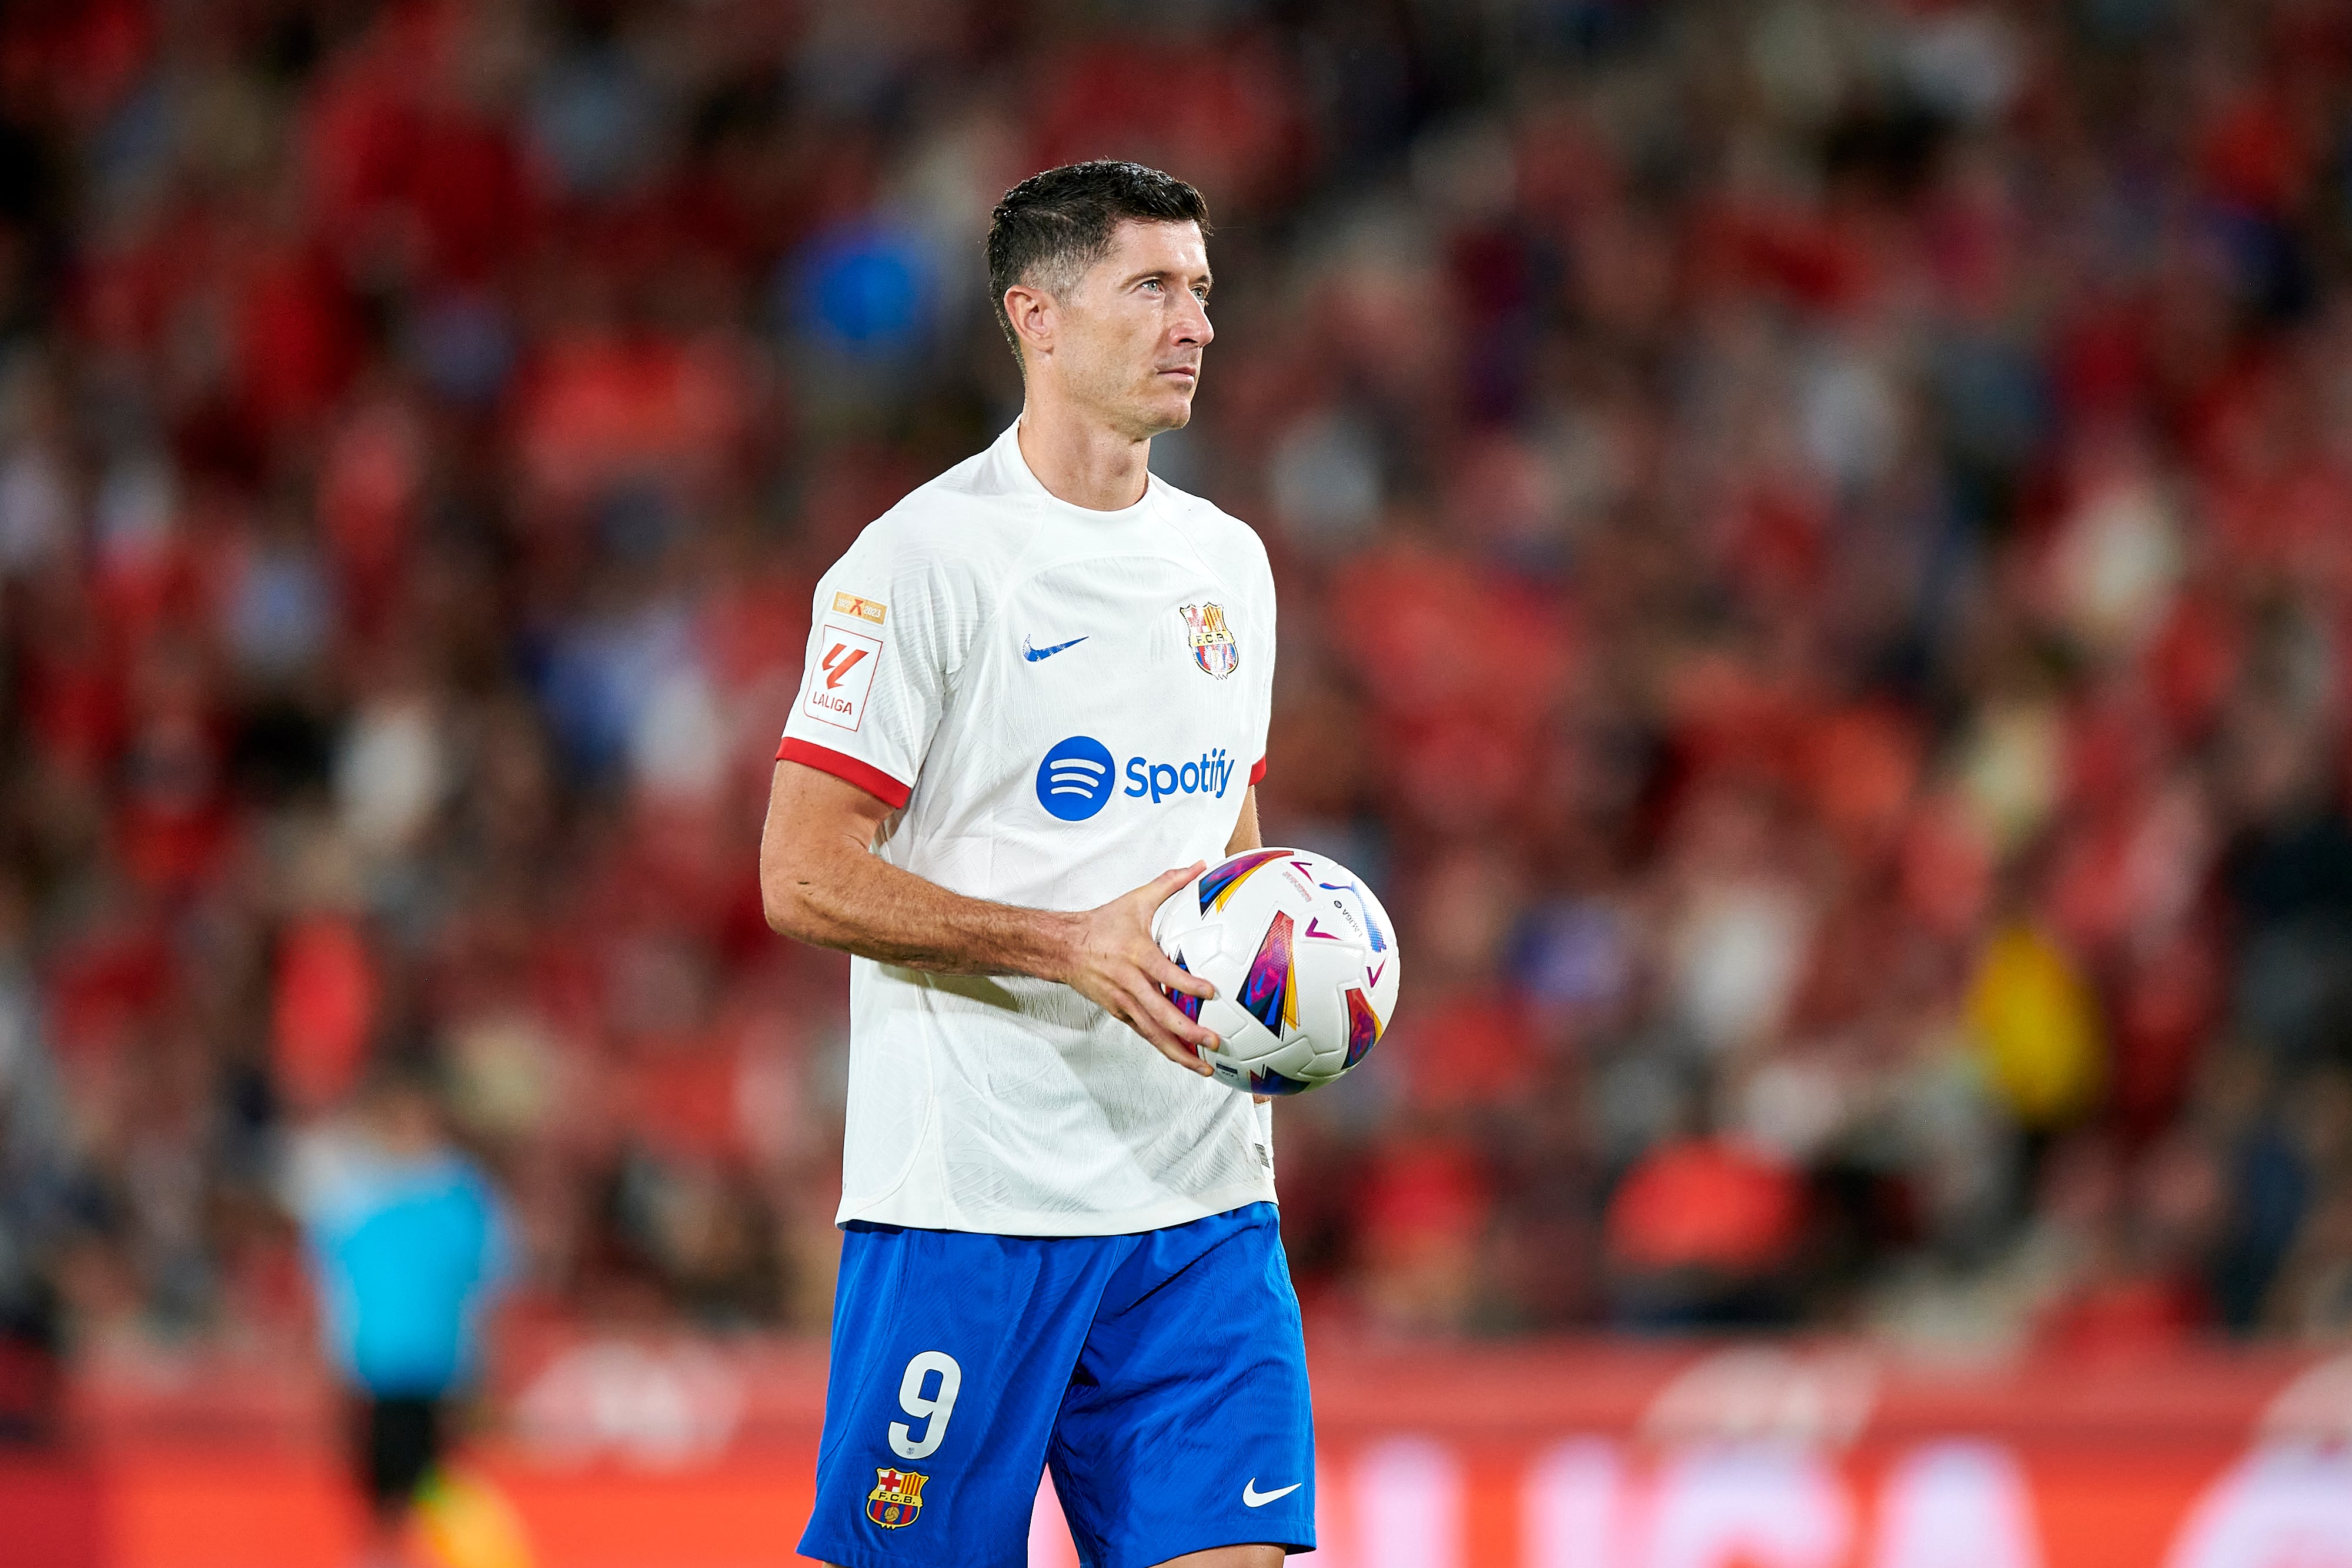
(1193, 328)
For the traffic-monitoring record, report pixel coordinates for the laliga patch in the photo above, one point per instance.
(1213, 648)
(842, 675)
(872, 610)
(897, 1498)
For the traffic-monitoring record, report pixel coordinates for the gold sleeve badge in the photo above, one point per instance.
(872, 610)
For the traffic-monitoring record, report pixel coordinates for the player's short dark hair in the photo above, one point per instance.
(1049, 228)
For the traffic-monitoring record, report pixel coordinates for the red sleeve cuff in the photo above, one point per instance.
(866, 776)
(1257, 770)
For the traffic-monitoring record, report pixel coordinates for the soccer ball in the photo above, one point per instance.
(1304, 959)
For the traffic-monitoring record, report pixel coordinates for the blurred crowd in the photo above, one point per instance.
(1816, 553)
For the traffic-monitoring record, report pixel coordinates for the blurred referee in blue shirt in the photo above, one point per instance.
(408, 1244)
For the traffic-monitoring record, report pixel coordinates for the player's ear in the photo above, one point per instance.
(1031, 310)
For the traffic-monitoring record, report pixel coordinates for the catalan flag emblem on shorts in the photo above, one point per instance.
(897, 1498)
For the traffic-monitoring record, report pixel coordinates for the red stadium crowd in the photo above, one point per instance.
(1816, 555)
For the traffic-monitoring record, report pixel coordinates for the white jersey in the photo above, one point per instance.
(1061, 704)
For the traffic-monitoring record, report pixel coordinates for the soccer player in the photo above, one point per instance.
(1035, 685)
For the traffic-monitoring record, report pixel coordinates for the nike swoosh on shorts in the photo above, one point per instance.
(1253, 1498)
(1033, 654)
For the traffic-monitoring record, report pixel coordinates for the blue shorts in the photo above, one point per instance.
(1161, 1376)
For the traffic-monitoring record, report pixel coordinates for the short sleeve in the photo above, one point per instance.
(882, 644)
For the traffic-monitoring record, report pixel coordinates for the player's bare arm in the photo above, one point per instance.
(1245, 829)
(821, 883)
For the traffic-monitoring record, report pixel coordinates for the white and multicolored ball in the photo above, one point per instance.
(1304, 959)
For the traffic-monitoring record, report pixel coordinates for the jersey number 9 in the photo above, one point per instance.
(933, 1411)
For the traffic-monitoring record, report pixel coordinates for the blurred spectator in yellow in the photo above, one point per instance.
(2037, 1028)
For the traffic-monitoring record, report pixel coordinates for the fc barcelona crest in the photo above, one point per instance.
(1213, 648)
(897, 1498)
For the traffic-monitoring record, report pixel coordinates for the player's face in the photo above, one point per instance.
(1129, 342)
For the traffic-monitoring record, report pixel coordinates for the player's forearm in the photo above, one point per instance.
(857, 904)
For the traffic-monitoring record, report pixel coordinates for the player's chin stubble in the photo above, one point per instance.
(1159, 408)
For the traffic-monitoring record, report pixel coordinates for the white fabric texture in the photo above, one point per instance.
(978, 627)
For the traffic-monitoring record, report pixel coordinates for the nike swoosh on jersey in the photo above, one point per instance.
(1253, 1498)
(1033, 654)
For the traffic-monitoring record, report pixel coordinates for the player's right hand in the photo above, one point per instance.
(1113, 963)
